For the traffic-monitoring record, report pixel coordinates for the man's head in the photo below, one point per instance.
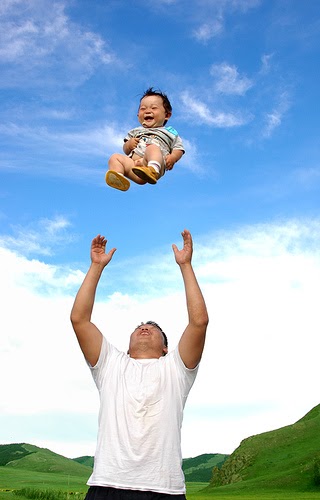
(155, 109)
(148, 340)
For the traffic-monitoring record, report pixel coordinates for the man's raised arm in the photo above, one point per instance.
(88, 335)
(192, 340)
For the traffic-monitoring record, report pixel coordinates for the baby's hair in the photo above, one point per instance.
(166, 103)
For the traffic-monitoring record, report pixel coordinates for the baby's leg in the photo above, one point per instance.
(120, 163)
(153, 153)
(153, 165)
(123, 165)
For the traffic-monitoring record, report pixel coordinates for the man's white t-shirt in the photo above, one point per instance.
(140, 418)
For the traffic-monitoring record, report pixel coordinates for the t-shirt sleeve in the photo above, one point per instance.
(187, 376)
(178, 144)
(130, 134)
(97, 370)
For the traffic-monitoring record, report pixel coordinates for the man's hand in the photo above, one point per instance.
(192, 340)
(184, 256)
(98, 251)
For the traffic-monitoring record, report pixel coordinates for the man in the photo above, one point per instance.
(142, 392)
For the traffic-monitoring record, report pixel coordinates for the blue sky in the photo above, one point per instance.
(243, 80)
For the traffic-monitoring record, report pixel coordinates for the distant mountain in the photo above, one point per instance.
(29, 457)
(197, 469)
(86, 460)
(288, 458)
(32, 458)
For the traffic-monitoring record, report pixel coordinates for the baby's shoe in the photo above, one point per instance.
(148, 174)
(117, 181)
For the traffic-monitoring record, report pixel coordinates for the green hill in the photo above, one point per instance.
(86, 460)
(199, 469)
(24, 456)
(29, 457)
(10, 452)
(286, 458)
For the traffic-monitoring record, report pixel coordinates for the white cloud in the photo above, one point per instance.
(191, 160)
(201, 113)
(208, 30)
(274, 118)
(216, 12)
(39, 238)
(265, 64)
(95, 140)
(228, 80)
(31, 39)
(260, 366)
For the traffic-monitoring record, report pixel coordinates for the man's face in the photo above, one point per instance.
(148, 339)
(151, 112)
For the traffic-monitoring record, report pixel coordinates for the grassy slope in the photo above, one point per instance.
(86, 460)
(196, 469)
(25, 465)
(199, 469)
(279, 459)
(43, 460)
(9, 452)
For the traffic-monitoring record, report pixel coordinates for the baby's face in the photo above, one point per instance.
(151, 112)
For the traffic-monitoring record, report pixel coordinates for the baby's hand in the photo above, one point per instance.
(169, 162)
(132, 143)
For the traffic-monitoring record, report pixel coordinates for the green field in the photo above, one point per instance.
(14, 479)
(279, 465)
(76, 487)
(198, 491)
(259, 495)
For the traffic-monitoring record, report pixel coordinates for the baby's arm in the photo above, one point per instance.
(173, 157)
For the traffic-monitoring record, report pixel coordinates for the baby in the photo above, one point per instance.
(150, 149)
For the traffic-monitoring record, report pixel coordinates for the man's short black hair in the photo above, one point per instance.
(165, 338)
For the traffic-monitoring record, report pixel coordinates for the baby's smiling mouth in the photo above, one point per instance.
(148, 121)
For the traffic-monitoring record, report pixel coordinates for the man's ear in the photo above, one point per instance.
(164, 351)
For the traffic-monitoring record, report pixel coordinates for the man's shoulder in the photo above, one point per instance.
(107, 351)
